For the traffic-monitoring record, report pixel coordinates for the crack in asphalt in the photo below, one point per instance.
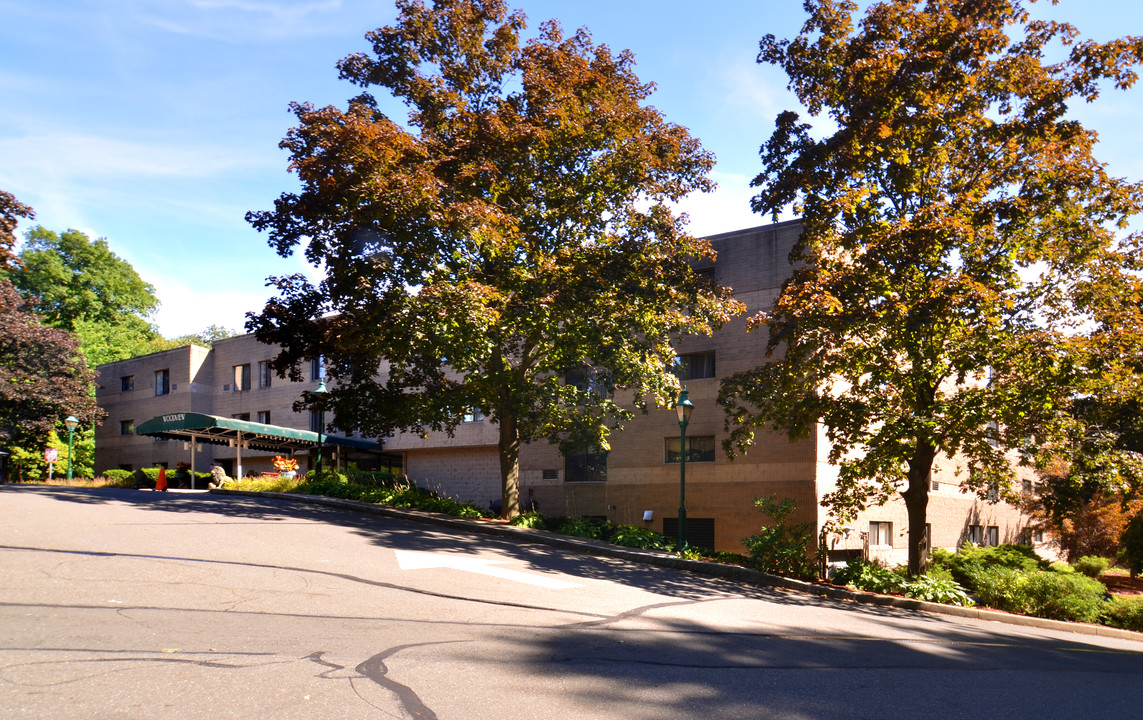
(374, 669)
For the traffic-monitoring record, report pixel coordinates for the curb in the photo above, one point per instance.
(726, 572)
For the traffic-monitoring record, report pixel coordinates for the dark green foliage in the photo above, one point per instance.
(870, 576)
(970, 560)
(938, 590)
(333, 484)
(640, 537)
(586, 527)
(118, 475)
(1123, 612)
(1091, 565)
(1131, 545)
(530, 520)
(783, 547)
(1046, 594)
(374, 478)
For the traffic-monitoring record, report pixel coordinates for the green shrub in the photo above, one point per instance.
(783, 547)
(966, 565)
(640, 537)
(375, 478)
(937, 589)
(118, 475)
(1091, 565)
(1065, 597)
(865, 575)
(1046, 594)
(593, 528)
(1000, 587)
(529, 520)
(1123, 612)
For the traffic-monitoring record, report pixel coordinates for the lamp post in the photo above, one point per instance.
(683, 407)
(70, 424)
(321, 390)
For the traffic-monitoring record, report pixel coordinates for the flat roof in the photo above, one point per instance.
(255, 436)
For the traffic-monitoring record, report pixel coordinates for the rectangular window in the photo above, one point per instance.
(992, 536)
(127, 382)
(264, 373)
(1027, 487)
(241, 377)
(934, 486)
(126, 427)
(695, 366)
(700, 448)
(126, 466)
(317, 368)
(241, 416)
(264, 417)
(588, 380)
(880, 533)
(700, 531)
(162, 382)
(1037, 536)
(585, 465)
(472, 415)
(706, 276)
(976, 534)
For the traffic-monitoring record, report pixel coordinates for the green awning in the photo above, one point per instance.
(255, 436)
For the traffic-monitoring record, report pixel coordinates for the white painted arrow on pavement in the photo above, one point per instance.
(411, 560)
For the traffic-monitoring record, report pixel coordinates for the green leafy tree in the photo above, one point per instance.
(206, 337)
(80, 285)
(518, 232)
(958, 232)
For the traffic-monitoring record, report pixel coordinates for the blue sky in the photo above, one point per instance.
(155, 123)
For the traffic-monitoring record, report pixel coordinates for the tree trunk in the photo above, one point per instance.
(509, 466)
(917, 505)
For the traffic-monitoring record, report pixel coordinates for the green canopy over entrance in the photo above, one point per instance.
(252, 435)
(244, 435)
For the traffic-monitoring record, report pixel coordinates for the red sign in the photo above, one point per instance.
(51, 454)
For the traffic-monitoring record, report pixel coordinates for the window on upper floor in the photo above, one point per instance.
(700, 448)
(162, 382)
(241, 416)
(126, 427)
(265, 374)
(695, 366)
(317, 368)
(264, 417)
(472, 415)
(127, 382)
(241, 377)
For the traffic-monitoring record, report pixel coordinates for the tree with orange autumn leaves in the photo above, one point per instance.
(960, 239)
(515, 229)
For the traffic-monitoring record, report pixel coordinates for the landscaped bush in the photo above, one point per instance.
(783, 547)
(593, 528)
(639, 537)
(1123, 612)
(1091, 565)
(1046, 594)
(118, 478)
(374, 478)
(938, 590)
(870, 576)
(966, 564)
(530, 520)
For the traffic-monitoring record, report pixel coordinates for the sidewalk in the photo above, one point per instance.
(734, 573)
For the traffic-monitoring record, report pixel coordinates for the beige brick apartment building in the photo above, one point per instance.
(639, 476)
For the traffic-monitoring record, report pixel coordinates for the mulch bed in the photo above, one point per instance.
(1123, 584)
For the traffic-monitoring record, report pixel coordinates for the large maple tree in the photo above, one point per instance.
(514, 229)
(959, 237)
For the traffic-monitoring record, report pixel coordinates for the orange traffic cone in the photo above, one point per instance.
(161, 484)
